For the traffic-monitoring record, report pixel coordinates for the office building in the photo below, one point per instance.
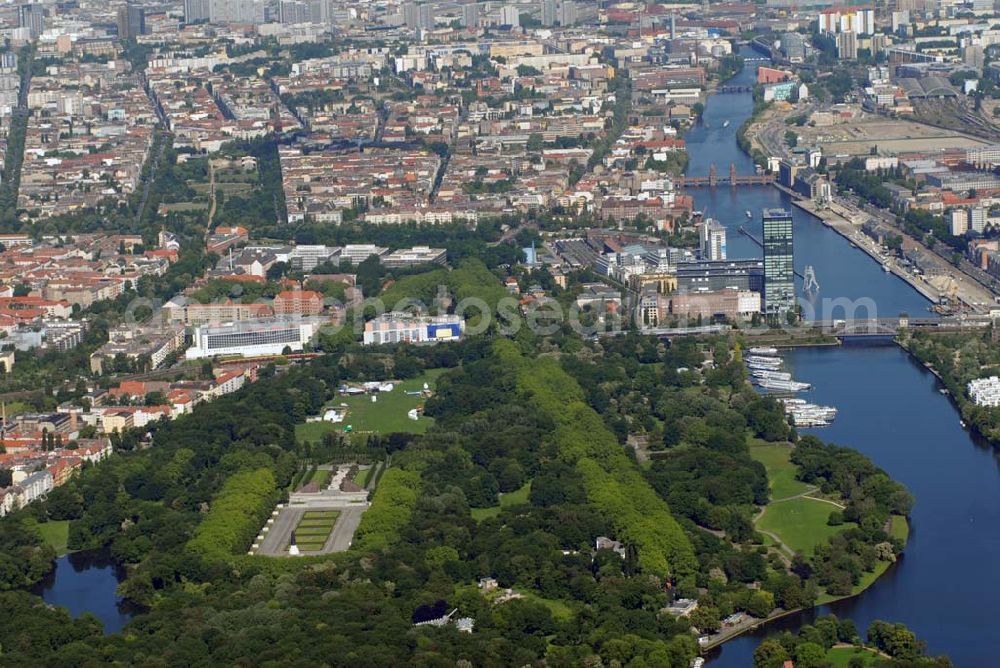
(33, 18)
(741, 275)
(712, 237)
(779, 267)
(196, 10)
(307, 257)
(131, 22)
(411, 257)
(404, 328)
(251, 338)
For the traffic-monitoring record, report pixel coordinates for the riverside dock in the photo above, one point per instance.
(842, 221)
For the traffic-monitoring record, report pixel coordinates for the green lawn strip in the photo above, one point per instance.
(55, 533)
(899, 527)
(311, 547)
(840, 657)
(780, 471)
(312, 432)
(518, 496)
(314, 529)
(800, 523)
(362, 476)
(321, 477)
(386, 415)
(559, 609)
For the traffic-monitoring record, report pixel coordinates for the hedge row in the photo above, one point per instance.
(612, 482)
(235, 515)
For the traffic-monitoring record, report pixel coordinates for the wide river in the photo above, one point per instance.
(945, 585)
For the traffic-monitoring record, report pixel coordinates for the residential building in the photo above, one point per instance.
(34, 486)
(510, 15)
(196, 10)
(298, 303)
(847, 45)
(985, 391)
(142, 348)
(236, 11)
(181, 310)
(470, 15)
(857, 20)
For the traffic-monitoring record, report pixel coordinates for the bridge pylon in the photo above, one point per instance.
(713, 179)
(732, 174)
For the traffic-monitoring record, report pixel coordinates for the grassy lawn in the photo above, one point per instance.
(514, 498)
(185, 206)
(800, 523)
(560, 610)
(362, 476)
(386, 415)
(780, 471)
(55, 533)
(312, 432)
(840, 657)
(314, 528)
(321, 477)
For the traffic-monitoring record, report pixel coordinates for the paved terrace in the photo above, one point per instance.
(350, 505)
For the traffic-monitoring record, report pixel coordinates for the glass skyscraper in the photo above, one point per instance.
(779, 268)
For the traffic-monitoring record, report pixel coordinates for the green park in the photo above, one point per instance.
(386, 415)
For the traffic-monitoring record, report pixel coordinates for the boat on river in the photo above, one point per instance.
(766, 351)
(783, 385)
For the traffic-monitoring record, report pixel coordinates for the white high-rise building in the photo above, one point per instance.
(470, 15)
(856, 20)
(548, 12)
(712, 237)
(959, 220)
(567, 13)
(417, 17)
(510, 15)
(977, 219)
(196, 10)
